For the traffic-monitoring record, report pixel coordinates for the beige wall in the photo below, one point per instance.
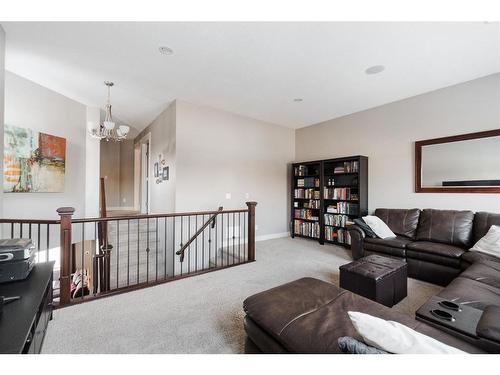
(220, 152)
(386, 135)
(32, 106)
(163, 140)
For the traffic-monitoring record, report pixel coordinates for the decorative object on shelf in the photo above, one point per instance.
(107, 130)
(34, 162)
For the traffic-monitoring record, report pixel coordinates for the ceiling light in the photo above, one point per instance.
(375, 69)
(297, 100)
(107, 130)
(165, 50)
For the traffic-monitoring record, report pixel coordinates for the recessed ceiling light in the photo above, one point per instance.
(165, 50)
(375, 69)
(297, 100)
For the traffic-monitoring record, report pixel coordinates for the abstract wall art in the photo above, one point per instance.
(33, 162)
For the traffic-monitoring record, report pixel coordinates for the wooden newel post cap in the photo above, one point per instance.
(66, 211)
(251, 204)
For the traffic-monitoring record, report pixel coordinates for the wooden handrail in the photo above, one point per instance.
(211, 220)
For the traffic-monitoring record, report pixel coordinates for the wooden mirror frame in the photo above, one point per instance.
(455, 138)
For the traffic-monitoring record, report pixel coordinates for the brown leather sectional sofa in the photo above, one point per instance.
(434, 243)
(309, 315)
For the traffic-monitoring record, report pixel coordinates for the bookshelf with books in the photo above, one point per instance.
(327, 195)
(306, 200)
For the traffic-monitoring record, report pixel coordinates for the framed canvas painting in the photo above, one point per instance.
(33, 162)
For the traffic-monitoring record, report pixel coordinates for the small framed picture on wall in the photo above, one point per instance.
(156, 170)
(165, 173)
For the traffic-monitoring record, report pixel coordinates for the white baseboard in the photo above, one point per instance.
(272, 236)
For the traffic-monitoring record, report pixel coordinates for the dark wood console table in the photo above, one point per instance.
(23, 323)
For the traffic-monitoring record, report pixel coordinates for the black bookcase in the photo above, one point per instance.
(326, 195)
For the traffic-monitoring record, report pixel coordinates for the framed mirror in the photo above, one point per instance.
(467, 163)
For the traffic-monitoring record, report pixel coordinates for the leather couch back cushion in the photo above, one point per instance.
(482, 223)
(401, 221)
(446, 226)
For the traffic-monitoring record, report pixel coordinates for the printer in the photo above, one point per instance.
(17, 258)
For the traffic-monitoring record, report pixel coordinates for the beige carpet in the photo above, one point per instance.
(201, 314)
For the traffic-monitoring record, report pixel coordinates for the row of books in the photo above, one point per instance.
(347, 167)
(343, 208)
(341, 193)
(337, 220)
(339, 235)
(308, 182)
(306, 193)
(305, 214)
(313, 203)
(306, 229)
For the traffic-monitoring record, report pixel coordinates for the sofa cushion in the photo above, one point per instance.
(482, 223)
(446, 226)
(471, 292)
(401, 221)
(392, 246)
(483, 273)
(471, 257)
(309, 315)
(439, 253)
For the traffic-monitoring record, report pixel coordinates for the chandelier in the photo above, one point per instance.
(107, 129)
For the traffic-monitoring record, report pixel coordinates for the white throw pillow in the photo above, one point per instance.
(378, 226)
(490, 243)
(396, 338)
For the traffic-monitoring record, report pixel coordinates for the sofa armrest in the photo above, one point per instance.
(357, 240)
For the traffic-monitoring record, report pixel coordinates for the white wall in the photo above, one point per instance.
(386, 135)
(220, 152)
(2, 101)
(35, 107)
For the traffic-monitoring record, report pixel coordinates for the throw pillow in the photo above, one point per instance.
(378, 227)
(490, 243)
(396, 338)
(368, 231)
(350, 345)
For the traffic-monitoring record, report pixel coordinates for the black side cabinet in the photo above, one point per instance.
(23, 323)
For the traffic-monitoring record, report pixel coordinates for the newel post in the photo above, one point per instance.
(65, 244)
(251, 230)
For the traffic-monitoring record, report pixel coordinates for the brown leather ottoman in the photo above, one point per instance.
(381, 279)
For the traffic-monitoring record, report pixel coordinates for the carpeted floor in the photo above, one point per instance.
(201, 314)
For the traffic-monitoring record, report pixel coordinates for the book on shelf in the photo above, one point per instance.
(308, 182)
(339, 235)
(306, 194)
(347, 167)
(343, 208)
(340, 193)
(300, 170)
(312, 204)
(307, 229)
(305, 214)
(337, 220)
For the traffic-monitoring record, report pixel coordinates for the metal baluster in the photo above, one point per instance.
(20, 230)
(48, 243)
(147, 250)
(239, 237)
(216, 234)
(156, 249)
(222, 239)
(165, 251)
(173, 246)
(182, 222)
(12, 230)
(227, 263)
(245, 252)
(83, 261)
(117, 254)
(189, 247)
(38, 243)
(233, 234)
(209, 244)
(128, 252)
(196, 245)
(29, 231)
(138, 237)
(203, 245)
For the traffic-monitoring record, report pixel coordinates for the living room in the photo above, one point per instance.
(258, 188)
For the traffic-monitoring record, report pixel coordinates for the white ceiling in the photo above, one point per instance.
(254, 69)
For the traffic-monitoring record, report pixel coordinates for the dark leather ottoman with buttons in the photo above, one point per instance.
(381, 279)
